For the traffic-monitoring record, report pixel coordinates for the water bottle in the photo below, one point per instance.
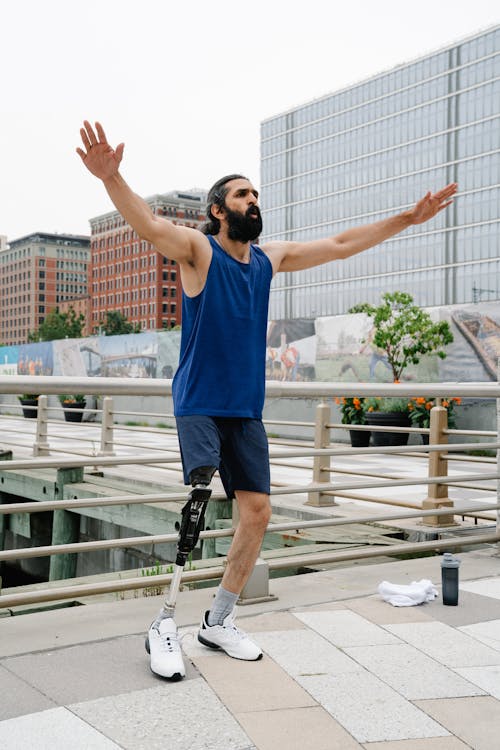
(449, 579)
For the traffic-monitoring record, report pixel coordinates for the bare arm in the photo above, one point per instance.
(295, 256)
(103, 161)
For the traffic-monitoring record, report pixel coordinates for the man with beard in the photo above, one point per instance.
(218, 389)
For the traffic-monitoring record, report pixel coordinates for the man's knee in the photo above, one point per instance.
(255, 509)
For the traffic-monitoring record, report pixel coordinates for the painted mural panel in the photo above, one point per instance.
(338, 348)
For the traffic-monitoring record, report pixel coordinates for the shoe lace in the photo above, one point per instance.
(169, 642)
(234, 632)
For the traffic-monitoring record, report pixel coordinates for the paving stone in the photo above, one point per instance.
(476, 721)
(55, 729)
(92, 670)
(296, 729)
(445, 644)
(305, 652)
(252, 685)
(487, 678)
(430, 743)
(486, 632)
(344, 628)
(370, 710)
(382, 613)
(484, 587)
(184, 715)
(18, 698)
(413, 674)
(471, 608)
(271, 621)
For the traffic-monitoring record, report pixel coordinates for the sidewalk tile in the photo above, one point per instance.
(252, 685)
(18, 697)
(370, 710)
(471, 608)
(271, 621)
(305, 652)
(55, 729)
(413, 674)
(296, 729)
(485, 587)
(486, 632)
(431, 743)
(382, 613)
(344, 628)
(446, 644)
(92, 670)
(184, 715)
(487, 678)
(476, 721)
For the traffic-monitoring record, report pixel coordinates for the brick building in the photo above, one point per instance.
(81, 306)
(38, 272)
(129, 276)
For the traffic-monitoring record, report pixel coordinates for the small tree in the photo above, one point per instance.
(404, 331)
(116, 323)
(59, 325)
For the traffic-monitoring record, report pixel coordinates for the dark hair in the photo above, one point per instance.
(217, 197)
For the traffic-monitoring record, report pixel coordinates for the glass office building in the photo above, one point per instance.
(373, 149)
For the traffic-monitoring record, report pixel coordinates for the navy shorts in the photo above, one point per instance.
(236, 446)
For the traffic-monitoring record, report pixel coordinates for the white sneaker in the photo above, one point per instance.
(163, 646)
(227, 637)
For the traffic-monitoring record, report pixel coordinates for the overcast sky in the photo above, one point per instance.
(185, 85)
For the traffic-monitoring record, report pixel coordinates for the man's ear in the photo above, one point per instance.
(217, 211)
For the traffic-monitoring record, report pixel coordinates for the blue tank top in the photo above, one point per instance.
(221, 369)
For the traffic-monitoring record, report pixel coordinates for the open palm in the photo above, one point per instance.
(99, 157)
(431, 204)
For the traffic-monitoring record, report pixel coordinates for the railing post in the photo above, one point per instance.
(321, 440)
(438, 467)
(107, 427)
(65, 529)
(41, 446)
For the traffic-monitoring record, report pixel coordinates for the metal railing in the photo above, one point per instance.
(435, 510)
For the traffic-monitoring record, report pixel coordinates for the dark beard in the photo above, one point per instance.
(244, 227)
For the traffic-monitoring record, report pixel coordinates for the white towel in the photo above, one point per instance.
(417, 592)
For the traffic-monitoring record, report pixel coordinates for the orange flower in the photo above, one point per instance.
(457, 400)
(428, 405)
(337, 400)
(420, 400)
(445, 403)
(357, 403)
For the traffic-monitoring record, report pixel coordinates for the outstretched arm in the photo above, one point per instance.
(103, 161)
(295, 256)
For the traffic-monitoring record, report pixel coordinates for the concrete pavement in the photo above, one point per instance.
(342, 669)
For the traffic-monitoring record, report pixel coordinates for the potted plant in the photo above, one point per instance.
(73, 407)
(388, 412)
(419, 412)
(29, 403)
(353, 411)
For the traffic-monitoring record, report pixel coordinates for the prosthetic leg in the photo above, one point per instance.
(161, 641)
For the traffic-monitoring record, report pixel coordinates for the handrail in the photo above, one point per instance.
(320, 491)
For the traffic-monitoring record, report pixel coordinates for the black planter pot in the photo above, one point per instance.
(360, 438)
(73, 411)
(28, 404)
(388, 419)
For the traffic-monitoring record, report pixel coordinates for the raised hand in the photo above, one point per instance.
(99, 157)
(430, 204)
